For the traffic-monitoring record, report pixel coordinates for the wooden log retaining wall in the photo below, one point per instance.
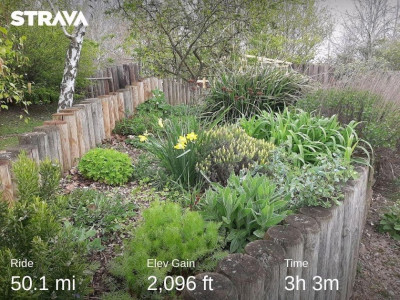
(113, 95)
(327, 238)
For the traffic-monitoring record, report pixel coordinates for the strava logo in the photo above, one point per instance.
(45, 18)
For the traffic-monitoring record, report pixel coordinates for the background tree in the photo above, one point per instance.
(67, 87)
(187, 38)
(292, 30)
(366, 29)
(12, 60)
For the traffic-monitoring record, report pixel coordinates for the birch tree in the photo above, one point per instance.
(67, 87)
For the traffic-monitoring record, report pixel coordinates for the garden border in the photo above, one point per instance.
(77, 129)
(328, 238)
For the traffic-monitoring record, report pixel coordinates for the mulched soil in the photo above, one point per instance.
(378, 275)
(102, 278)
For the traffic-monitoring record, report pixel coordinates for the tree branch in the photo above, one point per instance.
(68, 35)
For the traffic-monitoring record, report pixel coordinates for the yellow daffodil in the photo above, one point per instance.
(142, 138)
(191, 136)
(160, 123)
(182, 140)
(180, 146)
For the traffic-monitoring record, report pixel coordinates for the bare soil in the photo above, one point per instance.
(378, 274)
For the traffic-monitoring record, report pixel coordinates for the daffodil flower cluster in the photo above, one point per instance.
(143, 137)
(183, 140)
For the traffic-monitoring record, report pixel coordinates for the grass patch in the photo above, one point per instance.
(11, 124)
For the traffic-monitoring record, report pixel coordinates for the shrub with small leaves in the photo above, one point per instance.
(390, 221)
(106, 165)
(168, 232)
(36, 180)
(231, 149)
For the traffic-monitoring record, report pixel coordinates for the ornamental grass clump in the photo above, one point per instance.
(106, 165)
(230, 150)
(248, 91)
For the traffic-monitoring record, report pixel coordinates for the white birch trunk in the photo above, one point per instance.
(67, 88)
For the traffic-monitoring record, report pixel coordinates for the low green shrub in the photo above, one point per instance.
(30, 230)
(138, 124)
(42, 95)
(36, 180)
(247, 207)
(379, 118)
(390, 221)
(178, 150)
(91, 209)
(106, 165)
(246, 92)
(229, 149)
(148, 114)
(305, 135)
(318, 184)
(167, 232)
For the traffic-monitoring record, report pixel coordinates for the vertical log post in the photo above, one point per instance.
(74, 148)
(54, 139)
(87, 109)
(223, 288)
(106, 117)
(272, 258)
(65, 143)
(309, 228)
(6, 183)
(292, 241)
(246, 273)
(324, 218)
(39, 139)
(97, 118)
(135, 97)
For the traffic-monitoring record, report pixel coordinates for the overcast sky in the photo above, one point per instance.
(338, 9)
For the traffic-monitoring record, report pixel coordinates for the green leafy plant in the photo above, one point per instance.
(167, 232)
(317, 184)
(379, 118)
(148, 114)
(105, 214)
(245, 92)
(50, 175)
(247, 207)
(106, 165)
(305, 135)
(30, 230)
(12, 60)
(228, 150)
(36, 180)
(390, 221)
